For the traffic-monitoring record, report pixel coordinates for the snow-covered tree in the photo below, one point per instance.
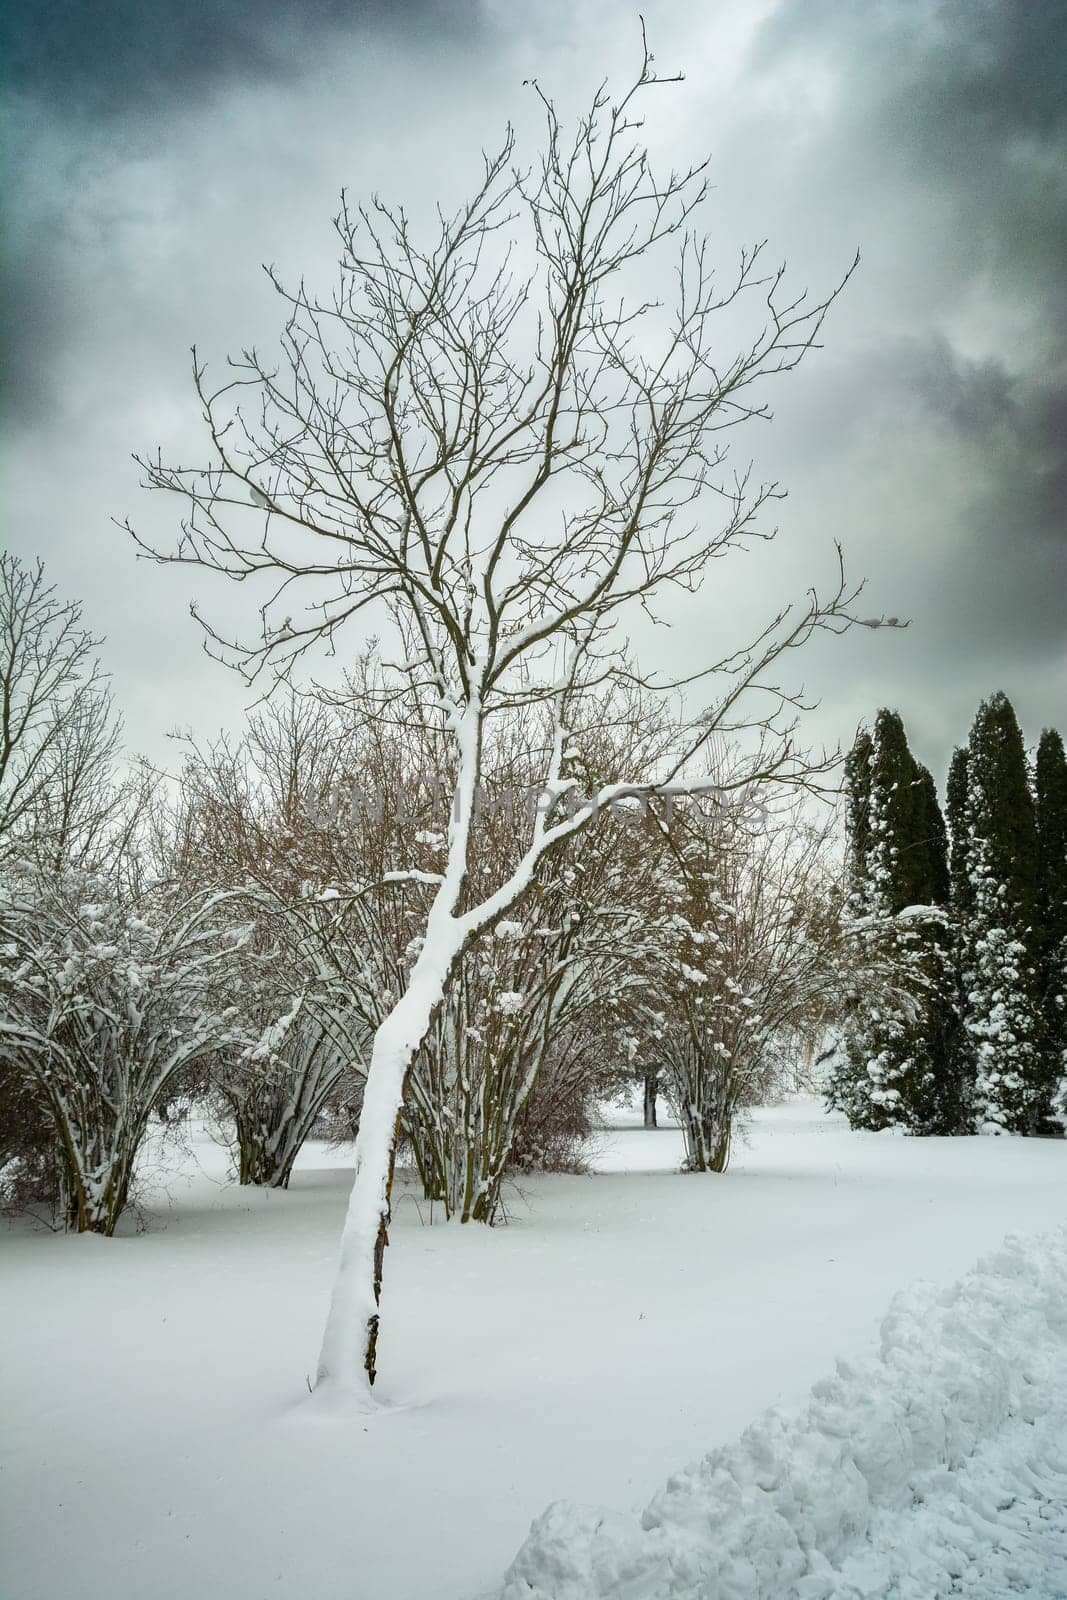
(264, 820)
(106, 997)
(60, 797)
(747, 966)
(900, 1063)
(495, 463)
(1000, 947)
(1050, 794)
(276, 1089)
(532, 1013)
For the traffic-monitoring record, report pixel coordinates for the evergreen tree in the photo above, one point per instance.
(949, 1108)
(858, 814)
(1050, 785)
(849, 1087)
(899, 1065)
(935, 836)
(956, 807)
(896, 828)
(961, 901)
(1000, 938)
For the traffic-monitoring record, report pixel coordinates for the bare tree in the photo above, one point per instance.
(59, 735)
(258, 820)
(498, 466)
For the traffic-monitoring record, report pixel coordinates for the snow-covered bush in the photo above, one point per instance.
(107, 995)
(276, 1089)
(274, 821)
(746, 970)
(514, 1050)
(529, 1035)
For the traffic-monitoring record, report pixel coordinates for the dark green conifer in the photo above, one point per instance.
(935, 879)
(900, 1063)
(1050, 786)
(956, 812)
(1001, 941)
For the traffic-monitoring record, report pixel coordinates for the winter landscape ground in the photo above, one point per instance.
(160, 1438)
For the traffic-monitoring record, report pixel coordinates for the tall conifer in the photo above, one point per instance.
(1000, 940)
(956, 812)
(899, 1066)
(1050, 786)
(935, 887)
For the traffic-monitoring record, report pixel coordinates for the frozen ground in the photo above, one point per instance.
(156, 1432)
(936, 1468)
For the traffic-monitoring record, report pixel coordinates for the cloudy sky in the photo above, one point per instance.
(159, 153)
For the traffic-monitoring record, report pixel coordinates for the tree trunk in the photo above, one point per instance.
(348, 1357)
(720, 1149)
(651, 1091)
(707, 1117)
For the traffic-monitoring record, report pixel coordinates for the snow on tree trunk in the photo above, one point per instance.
(706, 1114)
(348, 1357)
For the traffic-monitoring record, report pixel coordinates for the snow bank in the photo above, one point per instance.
(938, 1465)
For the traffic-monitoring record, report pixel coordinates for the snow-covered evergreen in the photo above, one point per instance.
(999, 934)
(1050, 793)
(898, 1067)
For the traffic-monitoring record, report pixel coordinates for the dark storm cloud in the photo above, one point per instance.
(93, 70)
(108, 57)
(1014, 424)
(963, 102)
(32, 293)
(157, 152)
(1014, 421)
(999, 61)
(944, 135)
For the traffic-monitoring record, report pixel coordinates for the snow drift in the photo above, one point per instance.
(939, 1465)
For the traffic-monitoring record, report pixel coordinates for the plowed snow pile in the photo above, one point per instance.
(937, 1468)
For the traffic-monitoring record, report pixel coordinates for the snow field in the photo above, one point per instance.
(938, 1467)
(158, 1436)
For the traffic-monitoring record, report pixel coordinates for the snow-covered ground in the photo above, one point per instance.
(157, 1432)
(936, 1468)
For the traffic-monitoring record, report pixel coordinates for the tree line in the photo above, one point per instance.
(970, 906)
(227, 937)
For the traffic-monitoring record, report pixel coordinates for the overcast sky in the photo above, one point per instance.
(158, 153)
